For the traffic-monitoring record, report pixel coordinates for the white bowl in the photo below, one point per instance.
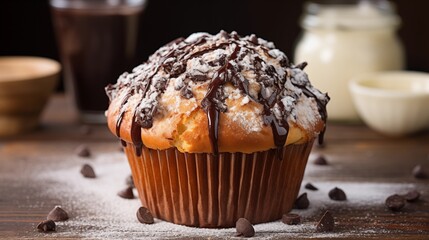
(25, 86)
(394, 103)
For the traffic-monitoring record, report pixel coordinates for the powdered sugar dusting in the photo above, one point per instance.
(253, 65)
(96, 212)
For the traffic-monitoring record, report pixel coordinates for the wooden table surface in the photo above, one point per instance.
(367, 166)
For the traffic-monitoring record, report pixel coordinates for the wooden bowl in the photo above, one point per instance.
(25, 86)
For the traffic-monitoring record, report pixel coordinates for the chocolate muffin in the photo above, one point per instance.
(217, 127)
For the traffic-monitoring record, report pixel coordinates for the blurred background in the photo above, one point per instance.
(26, 26)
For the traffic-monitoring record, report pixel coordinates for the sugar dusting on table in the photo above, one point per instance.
(96, 212)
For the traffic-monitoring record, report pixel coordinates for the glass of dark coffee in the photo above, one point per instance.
(97, 41)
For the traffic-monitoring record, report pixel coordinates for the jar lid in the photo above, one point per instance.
(354, 14)
(97, 4)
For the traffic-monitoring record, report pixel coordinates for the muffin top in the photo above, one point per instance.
(216, 93)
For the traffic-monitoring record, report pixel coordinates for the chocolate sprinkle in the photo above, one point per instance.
(419, 172)
(310, 186)
(126, 193)
(291, 219)
(87, 171)
(144, 216)
(412, 196)
(395, 202)
(320, 160)
(326, 223)
(337, 194)
(46, 226)
(57, 214)
(302, 202)
(244, 228)
(83, 151)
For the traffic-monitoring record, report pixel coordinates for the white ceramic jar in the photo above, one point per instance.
(340, 41)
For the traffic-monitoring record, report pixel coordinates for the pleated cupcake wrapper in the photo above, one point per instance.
(202, 190)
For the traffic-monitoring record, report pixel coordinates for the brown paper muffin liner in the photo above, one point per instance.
(201, 190)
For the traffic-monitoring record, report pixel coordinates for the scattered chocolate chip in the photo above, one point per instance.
(57, 214)
(87, 171)
(244, 228)
(126, 193)
(419, 172)
(337, 194)
(310, 186)
(85, 130)
(326, 223)
(395, 202)
(320, 160)
(302, 202)
(144, 216)
(130, 181)
(291, 219)
(412, 196)
(83, 151)
(46, 226)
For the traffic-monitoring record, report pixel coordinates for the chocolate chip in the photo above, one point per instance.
(57, 214)
(126, 193)
(144, 216)
(257, 62)
(301, 65)
(412, 196)
(310, 186)
(177, 69)
(224, 34)
(302, 202)
(326, 223)
(197, 77)
(186, 92)
(235, 35)
(83, 151)
(87, 171)
(244, 228)
(395, 202)
(46, 226)
(85, 130)
(419, 172)
(222, 59)
(270, 70)
(320, 160)
(130, 181)
(284, 62)
(291, 219)
(253, 39)
(337, 194)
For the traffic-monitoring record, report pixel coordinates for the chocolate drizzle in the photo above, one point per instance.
(235, 54)
(322, 111)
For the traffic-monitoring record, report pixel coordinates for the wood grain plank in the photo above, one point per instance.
(357, 155)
